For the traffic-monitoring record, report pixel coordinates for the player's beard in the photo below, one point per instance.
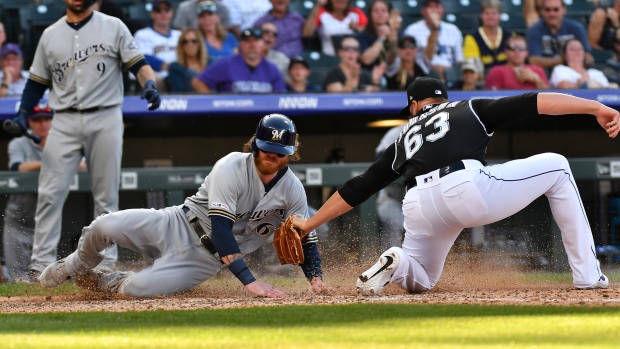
(265, 167)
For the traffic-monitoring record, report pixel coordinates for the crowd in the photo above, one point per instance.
(261, 46)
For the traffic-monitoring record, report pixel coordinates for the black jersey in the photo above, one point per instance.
(437, 136)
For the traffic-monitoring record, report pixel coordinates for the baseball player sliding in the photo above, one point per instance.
(80, 58)
(440, 152)
(236, 210)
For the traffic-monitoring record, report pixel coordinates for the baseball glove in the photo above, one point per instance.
(287, 241)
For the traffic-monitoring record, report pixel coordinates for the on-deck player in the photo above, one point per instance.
(236, 210)
(80, 58)
(440, 152)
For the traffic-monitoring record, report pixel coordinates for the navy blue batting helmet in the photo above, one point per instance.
(275, 133)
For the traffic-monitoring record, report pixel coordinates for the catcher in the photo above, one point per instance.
(236, 210)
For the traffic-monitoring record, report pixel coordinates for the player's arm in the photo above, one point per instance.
(200, 86)
(561, 104)
(354, 191)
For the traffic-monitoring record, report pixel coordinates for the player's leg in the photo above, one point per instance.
(173, 273)
(391, 215)
(61, 157)
(103, 151)
(512, 186)
(17, 244)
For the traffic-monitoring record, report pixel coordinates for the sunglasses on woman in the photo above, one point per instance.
(187, 41)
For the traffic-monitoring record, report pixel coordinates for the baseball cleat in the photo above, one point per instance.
(99, 281)
(54, 274)
(602, 282)
(373, 280)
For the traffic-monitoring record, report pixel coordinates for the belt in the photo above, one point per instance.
(85, 111)
(443, 171)
(204, 239)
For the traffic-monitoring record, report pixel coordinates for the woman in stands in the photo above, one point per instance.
(219, 42)
(333, 18)
(574, 74)
(488, 42)
(191, 59)
(379, 40)
(349, 76)
(407, 67)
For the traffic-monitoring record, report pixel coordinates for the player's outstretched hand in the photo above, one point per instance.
(320, 287)
(264, 289)
(151, 94)
(608, 119)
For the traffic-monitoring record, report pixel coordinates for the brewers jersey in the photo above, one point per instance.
(83, 67)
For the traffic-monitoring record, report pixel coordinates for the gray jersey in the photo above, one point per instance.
(234, 190)
(84, 66)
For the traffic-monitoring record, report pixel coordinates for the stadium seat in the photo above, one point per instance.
(461, 6)
(361, 4)
(409, 19)
(466, 22)
(140, 14)
(512, 6)
(300, 7)
(513, 21)
(320, 64)
(582, 7)
(601, 56)
(407, 7)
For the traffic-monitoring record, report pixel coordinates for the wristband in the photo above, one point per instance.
(5, 85)
(241, 272)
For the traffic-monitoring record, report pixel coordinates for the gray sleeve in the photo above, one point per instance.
(128, 50)
(40, 70)
(224, 186)
(17, 153)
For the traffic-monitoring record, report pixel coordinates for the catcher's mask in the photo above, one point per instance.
(275, 133)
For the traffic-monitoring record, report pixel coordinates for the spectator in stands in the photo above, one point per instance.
(515, 74)
(244, 13)
(220, 43)
(279, 59)
(546, 37)
(604, 29)
(472, 72)
(299, 71)
(290, 25)
(158, 42)
(349, 76)
(330, 18)
(441, 42)
(531, 11)
(186, 15)
(488, 41)
(246, 72)
(573, 74)
(191, 59)
(2, 35)
(406, 67)
(12, 76)
(379, 40)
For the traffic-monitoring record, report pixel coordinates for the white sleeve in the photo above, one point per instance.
(562, 73)
(598, 76)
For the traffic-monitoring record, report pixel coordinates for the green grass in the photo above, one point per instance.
(342, 326)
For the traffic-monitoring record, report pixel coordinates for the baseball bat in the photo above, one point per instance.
(13, 128)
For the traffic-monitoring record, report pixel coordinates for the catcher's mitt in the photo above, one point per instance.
(287, 241)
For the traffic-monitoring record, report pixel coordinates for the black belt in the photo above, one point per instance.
(443, 171)
(85, 111)
(204, 239)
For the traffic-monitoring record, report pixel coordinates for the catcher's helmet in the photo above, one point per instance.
(275, 133)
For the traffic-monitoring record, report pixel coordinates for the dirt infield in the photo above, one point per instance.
(463, 282)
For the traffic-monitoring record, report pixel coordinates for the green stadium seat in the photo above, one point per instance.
(512, 6)
(466, 22)
(601, 56)
(461, 6)
(582, 7)
(320, 64)
(513, 21)
(409, 19)
(407, 7)
(300, 7)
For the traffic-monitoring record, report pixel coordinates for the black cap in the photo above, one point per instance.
(298, 59)
(407, 38)
(251, 32)
(427, 2)
(423, 88)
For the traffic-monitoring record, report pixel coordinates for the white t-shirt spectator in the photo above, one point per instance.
(564, 73)
(163, 48)
(327, 26)
(245, 12)
(449, 44)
